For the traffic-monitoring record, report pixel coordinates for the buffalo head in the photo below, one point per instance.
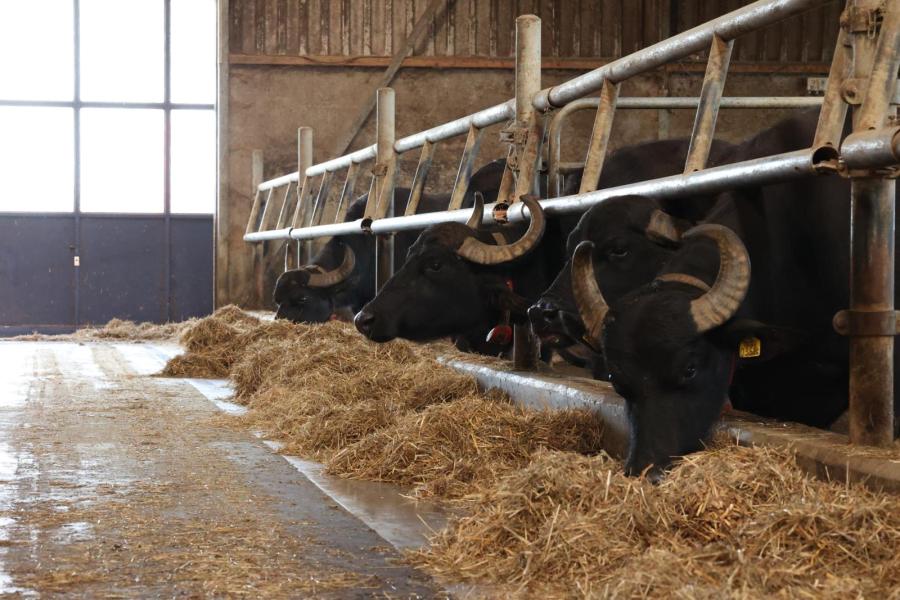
(666, 344)
(451, 283)
(632, 239)
(307, 295)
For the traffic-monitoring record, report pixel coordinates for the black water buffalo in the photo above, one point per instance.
(459, 281)
(703, 330)
(341, 278)
(623, 259)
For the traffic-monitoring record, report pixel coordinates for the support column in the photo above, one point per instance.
(876, 60)
(383, 190)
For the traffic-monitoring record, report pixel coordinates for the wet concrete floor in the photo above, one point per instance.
(116, 484)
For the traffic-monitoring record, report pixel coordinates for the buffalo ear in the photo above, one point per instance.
(748, 337)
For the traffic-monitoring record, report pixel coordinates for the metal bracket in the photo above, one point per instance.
(514, 133)
(379, 170)
(863, 20)
(866, 323)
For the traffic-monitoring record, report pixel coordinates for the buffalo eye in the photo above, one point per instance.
(434, 266)
(618, 251)
(688, 372)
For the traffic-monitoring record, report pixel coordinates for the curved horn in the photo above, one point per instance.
(724, 298)
(591, 305)
(474, 221)
(335, 276)
(666, 227)
(477, 251)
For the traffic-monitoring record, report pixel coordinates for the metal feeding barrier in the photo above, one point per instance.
(863, 75)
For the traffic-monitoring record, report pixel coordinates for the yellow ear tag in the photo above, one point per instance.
(750, 347)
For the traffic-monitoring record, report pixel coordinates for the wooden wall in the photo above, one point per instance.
(481, 32)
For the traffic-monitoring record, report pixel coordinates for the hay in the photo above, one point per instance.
(324, 387)
(448, 449)
(730, 522)
(116, 329)
(215, 343)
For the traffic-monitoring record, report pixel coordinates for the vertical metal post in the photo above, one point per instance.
(603, 121)
(708, 110)
(466, 163)
(872, 233)
(384, 193)
(346, 193)
(256, 178)
(304, 161)
(528, 84)
(419, 179)
(529, 124)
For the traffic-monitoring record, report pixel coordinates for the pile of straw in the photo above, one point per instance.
(389, 412)
(213, 344)
(730, 522)
(117, 329)
(446, 449)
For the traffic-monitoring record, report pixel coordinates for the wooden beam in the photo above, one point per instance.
(484, 62)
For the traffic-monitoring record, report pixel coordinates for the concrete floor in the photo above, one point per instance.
(119, 484)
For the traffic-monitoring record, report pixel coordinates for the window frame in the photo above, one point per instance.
(167, 106)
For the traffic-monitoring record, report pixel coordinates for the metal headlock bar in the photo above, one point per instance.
(863, 75)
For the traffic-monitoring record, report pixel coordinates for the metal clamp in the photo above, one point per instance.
(379, 170)
(866, 323)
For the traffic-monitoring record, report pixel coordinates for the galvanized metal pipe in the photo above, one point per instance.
(728, 27)
(708, 110)
(554, 135)
(420, 177)
(596, 154)
(466, 164)
(760, 171)
(872, 238)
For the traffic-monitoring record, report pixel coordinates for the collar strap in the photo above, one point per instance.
(685, 279)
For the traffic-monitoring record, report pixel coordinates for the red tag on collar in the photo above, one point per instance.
(501, 335)
(509, 284)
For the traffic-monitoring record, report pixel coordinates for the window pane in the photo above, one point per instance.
(37, 46)
(121, 160)
(193, 45)
(193, 161)
(122, 50)
(37, 159)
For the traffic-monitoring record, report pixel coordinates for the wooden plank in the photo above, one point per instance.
(483, 28)
(830, 30)
(340, 27)
(314, 28)
(248, 30)
(367, 28)
(632, 17)
(281, 26)
(325, 27)
(610, 38)
(292, 25)
(472, 17)
(390, 30)
(651, 23)
(494, 26)
(487, 62)
(356, 11)
(569, 37)
(303, 28)
(235, 27)
(259, 30)
(506, 28)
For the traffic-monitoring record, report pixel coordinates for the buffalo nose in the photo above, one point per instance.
(363, 321)
(542, 314)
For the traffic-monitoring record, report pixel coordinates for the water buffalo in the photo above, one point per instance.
(341, 278)
(703, 330)
(623, 259)
(458, 280)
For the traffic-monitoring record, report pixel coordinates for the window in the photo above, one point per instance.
(121, 92)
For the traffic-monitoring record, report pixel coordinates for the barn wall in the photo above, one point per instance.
(314, 62)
